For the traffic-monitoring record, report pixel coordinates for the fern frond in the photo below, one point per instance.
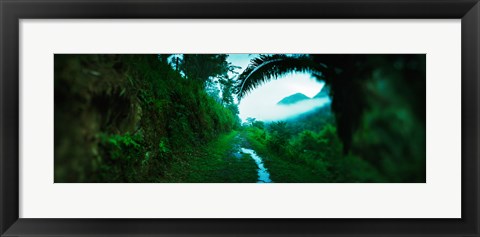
(268, 67)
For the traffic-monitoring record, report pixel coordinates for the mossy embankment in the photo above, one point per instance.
(129, 118)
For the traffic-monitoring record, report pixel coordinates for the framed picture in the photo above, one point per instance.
(239, 118)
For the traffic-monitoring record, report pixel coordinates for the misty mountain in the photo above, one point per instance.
(298, 97)
(325, 91)
(293, 99)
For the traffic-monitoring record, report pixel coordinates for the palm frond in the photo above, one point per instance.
(268, 67)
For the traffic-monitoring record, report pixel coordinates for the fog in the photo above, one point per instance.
(283, 112)
(261, 103)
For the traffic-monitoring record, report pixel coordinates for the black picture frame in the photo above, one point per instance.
(11, 11)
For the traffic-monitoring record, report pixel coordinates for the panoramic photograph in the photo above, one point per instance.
(239, 118)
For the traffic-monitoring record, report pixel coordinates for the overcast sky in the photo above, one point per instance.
(261, 103)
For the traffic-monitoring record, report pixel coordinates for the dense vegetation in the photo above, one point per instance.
(307, 149)
(379, 107)
(174, 118)
(127, 118)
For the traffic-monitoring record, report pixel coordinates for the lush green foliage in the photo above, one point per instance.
(174, 118)
(307, 156)
(378, 102)
(128, 118)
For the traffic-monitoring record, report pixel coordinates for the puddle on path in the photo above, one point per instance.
(263, 175)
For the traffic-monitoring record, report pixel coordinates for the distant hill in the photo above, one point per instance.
(325, 91)
(295, 98)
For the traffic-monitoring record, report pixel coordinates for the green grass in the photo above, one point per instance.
(284, 170)
(213, 163)
(309, 166)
